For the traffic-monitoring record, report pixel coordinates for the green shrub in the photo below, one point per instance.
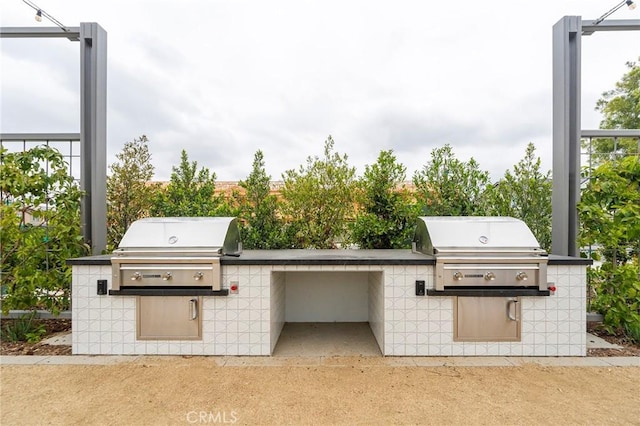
(609, 210)
(26, 328)
(633, 332)
(40, 222)
(617, 297)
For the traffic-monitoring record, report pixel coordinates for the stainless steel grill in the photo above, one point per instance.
(174, 252)
(482, 253)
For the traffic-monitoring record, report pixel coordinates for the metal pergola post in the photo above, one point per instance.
(567, 34)
(93, 133)
(93, 121)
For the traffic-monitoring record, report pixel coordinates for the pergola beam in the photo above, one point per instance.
(589, 27)
(37, 137)
(611, 133)
(40, 32)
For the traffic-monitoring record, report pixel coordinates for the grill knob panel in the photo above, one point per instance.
(489, 276)
(457, 276)
(521, 276)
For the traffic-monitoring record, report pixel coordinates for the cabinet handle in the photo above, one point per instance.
(511, 317)
(194, 308)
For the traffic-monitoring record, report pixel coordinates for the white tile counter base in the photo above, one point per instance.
(249, 323)
(423, 326)
(238, 324)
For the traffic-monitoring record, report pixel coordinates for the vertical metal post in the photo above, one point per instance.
(566, 135)
(93, 134)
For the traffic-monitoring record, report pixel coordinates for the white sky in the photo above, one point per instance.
(225, 78)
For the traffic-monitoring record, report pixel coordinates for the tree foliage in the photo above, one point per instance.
(609, 212)
(620, 108)
(129, 191)
(261, 227)
(525, 194)
(447, 186)
(318, 199)
(40, 218)
(190, 193)
(617, 297)
(388, 213)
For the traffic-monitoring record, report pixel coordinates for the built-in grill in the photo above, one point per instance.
(486, 264)
(174, 256)
(169, 264)
(483, 256)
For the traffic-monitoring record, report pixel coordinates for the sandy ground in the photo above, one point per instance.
(182, 391)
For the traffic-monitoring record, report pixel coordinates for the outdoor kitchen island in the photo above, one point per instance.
(261, 290)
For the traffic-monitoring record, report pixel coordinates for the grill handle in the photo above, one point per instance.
(194, 308)
(511, 317)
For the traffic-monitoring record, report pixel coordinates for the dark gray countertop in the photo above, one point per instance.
(554, 259)
(327, 257)
(102, 259)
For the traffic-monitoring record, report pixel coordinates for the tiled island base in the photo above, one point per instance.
(328, 289)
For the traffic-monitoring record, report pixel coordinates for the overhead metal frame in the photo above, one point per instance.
(40, 32)
(567, 34)
(93, 121)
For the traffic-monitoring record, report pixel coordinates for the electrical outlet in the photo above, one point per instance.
(102, 287)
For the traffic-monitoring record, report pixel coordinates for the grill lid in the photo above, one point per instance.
(199, 233)
(441, 234)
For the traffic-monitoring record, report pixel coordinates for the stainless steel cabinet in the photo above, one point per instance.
(486, 319)
(169, 318)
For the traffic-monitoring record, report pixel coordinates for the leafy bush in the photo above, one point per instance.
(191, 192)
(388, 213)
(609, 210)
(318, 200)
(260, 227)
(447, 186)
(25, 328)
(617, 292)
(40, 222)
(129, 192)
(633, 331)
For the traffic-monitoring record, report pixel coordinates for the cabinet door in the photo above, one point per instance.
(487, 319)
(169, 318)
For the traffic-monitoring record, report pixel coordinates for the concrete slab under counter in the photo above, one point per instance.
(374, 286)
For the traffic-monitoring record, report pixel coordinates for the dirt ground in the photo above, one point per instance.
(196, 390)
(180, 390)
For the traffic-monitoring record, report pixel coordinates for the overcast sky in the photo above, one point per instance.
(224, 78)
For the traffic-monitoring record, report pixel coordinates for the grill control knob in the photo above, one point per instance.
(198, 276)
(489, 276)
(136, 276)
(521, 276)
(457, 276)
(167, 276)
